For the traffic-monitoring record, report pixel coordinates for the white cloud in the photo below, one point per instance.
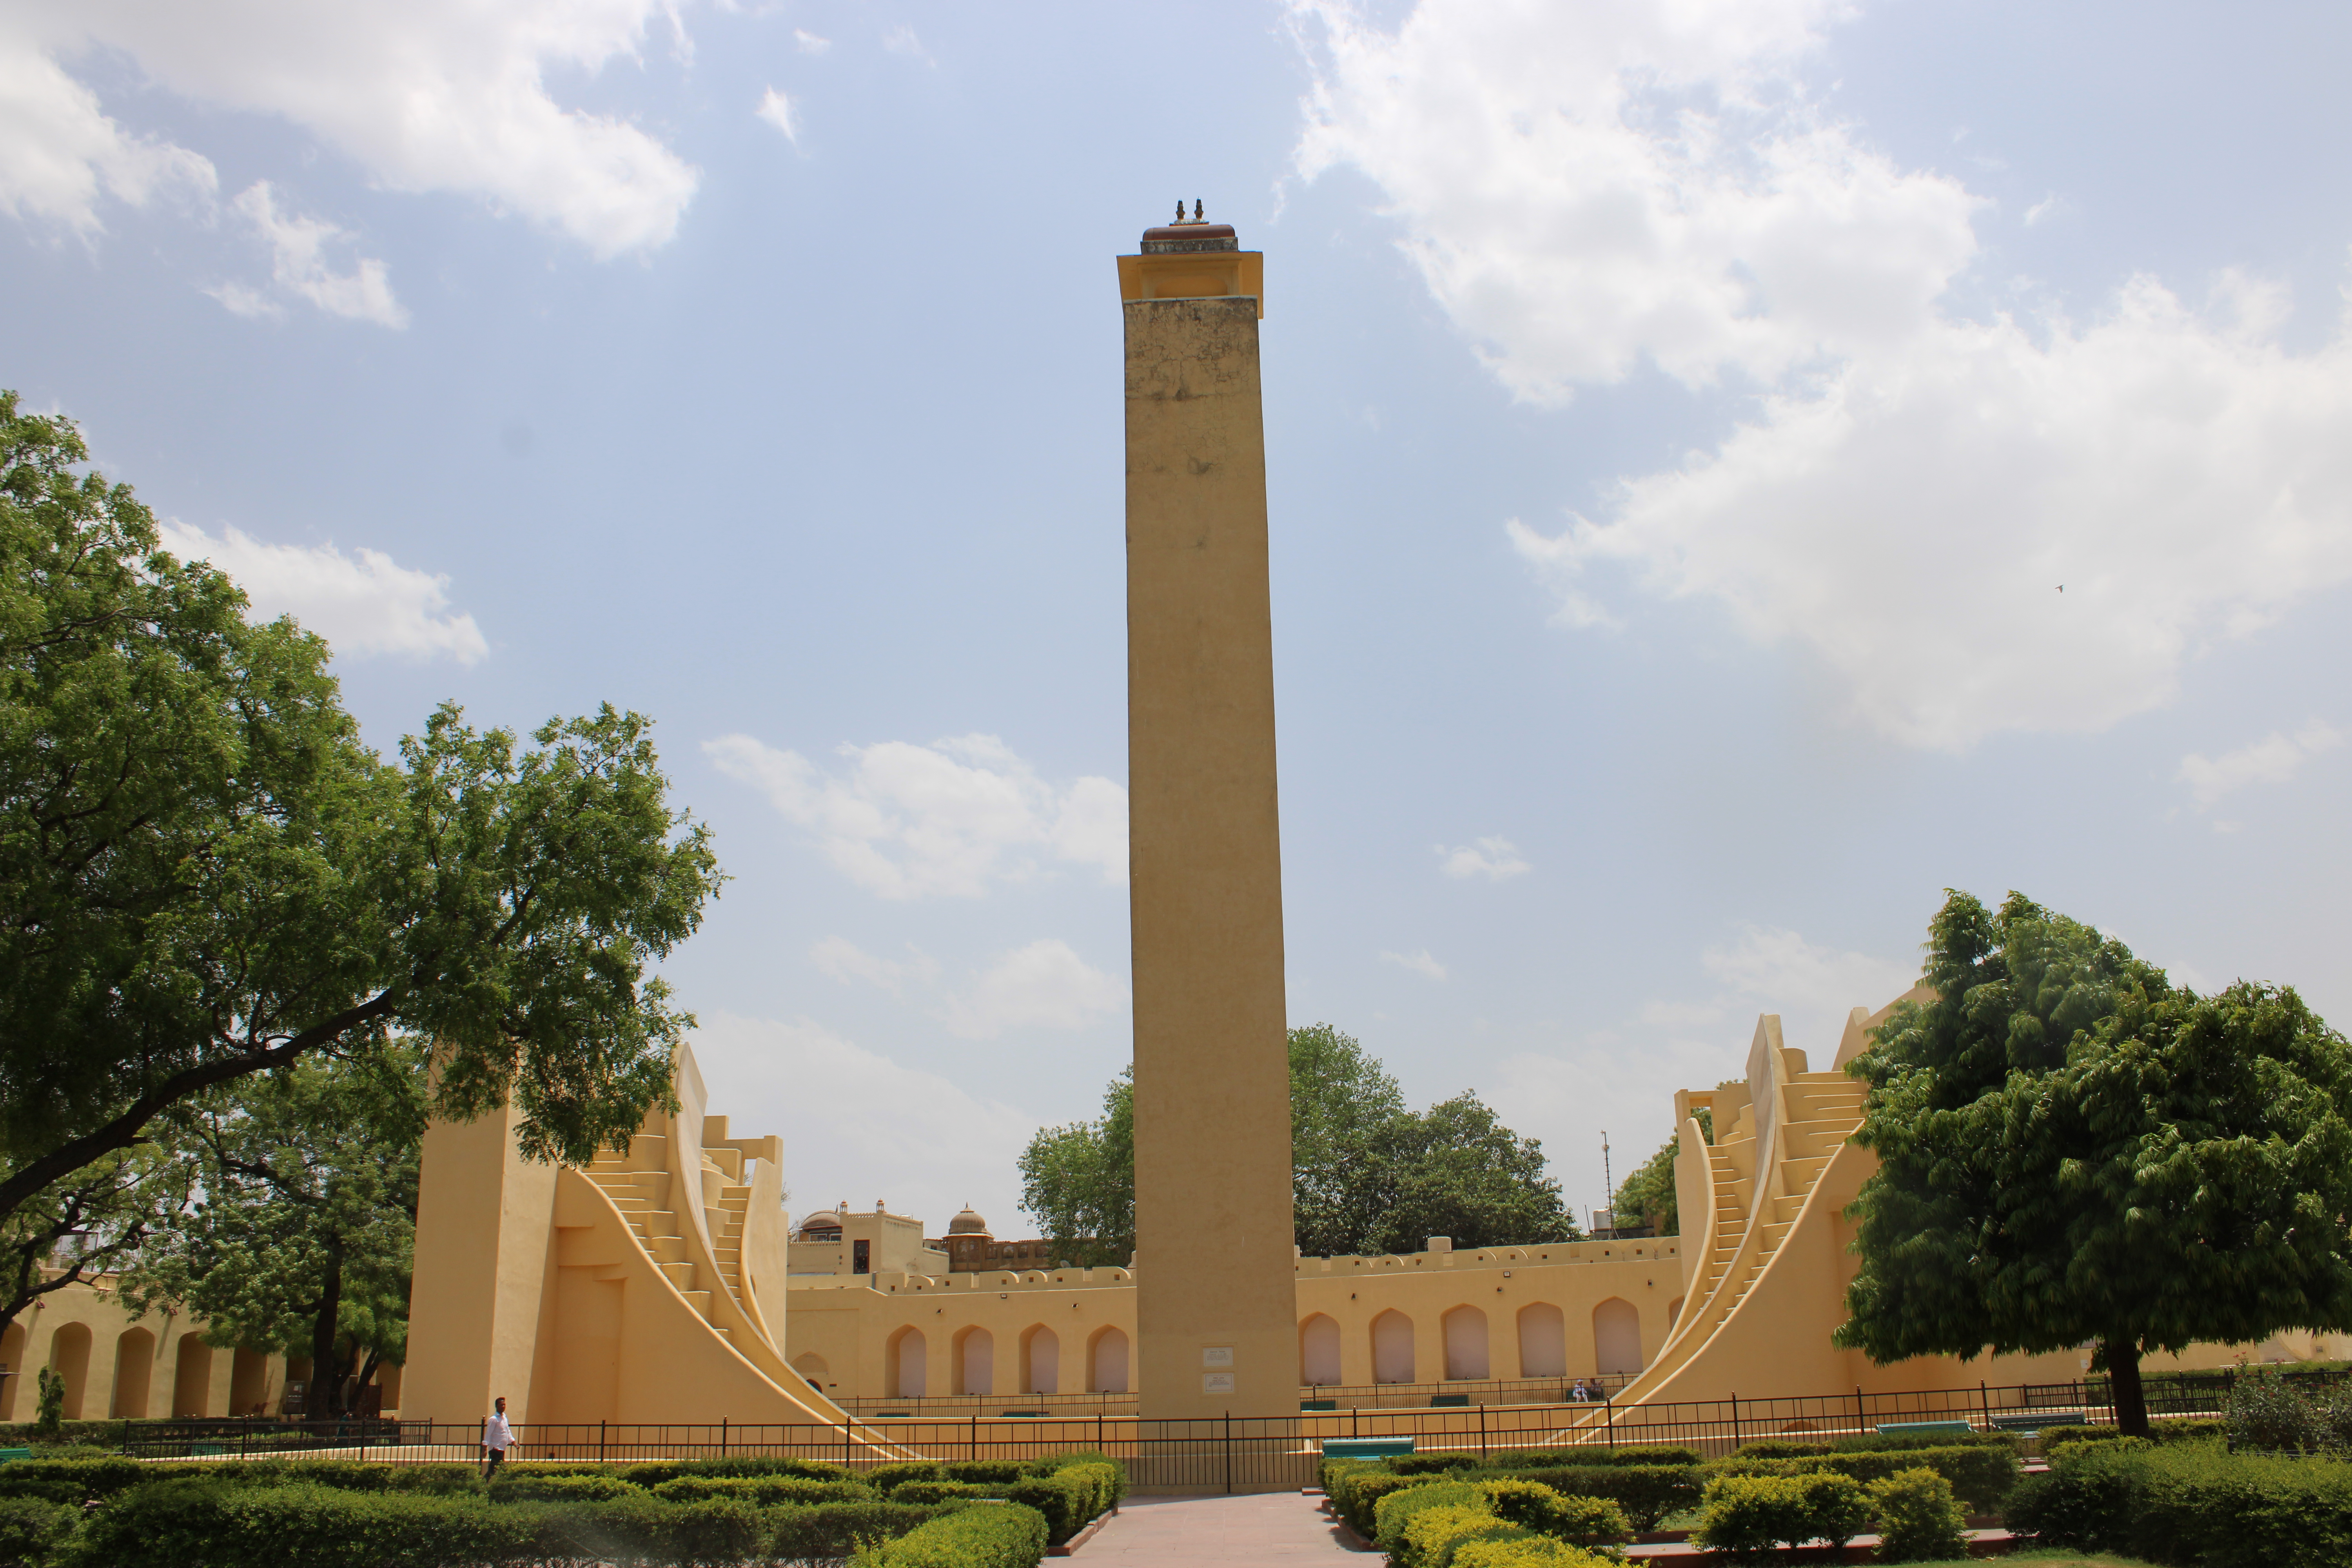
(299, 265)
(1812, 988)
(1588, 188)
(809, 43)
(1419, 962)
(943, 820)
(2051, 206)
(777, 110)
(901, 40)
(2274, 759)
(859, 1127)
(845, 960)
(363, 603)
(58, 150)
(1497, 859)
(1043, 986)
(429, 95)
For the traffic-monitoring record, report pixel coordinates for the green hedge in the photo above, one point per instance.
(882, 1477)
(1592, 1454)
(1748, 1515)
(761, 1491)
(983, 1536)
(993, 1472)
(1981, 1474)
(1356, 1495)
(2178, 1430)
(1647, 1493)
(653, 1472)
(939, 1491)
(1394, 1512)
(31, 1528)
(1533, 1551)
(1430, 1538)
(1581, 1520)
(1070, 1497)
(2190, 1503)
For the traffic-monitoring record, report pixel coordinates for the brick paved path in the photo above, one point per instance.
(1270, 1529)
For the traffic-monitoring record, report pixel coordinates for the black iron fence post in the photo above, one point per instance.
(1734, 1423)
(1229, 1453)
(1861, 1417)
(971, 1448)
(1609, 1416)
(722, 1434)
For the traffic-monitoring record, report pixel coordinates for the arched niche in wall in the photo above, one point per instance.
(813, 1368)
(69, 1359)
(906, 1365)
(1617, 1336)
(1107, 1361)
(975, 1362)
(1465, 1344)
(1393, 1347)
(1543, 1340)
(1318, 1350)
(1041, 1361)
(192, 1375)
(135, 1372)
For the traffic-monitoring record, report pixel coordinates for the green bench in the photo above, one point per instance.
(1437, 1399)
(1366, 1447)
(890, 1414)
(2030, 1423)
(8, 1454)
(1307, 1404)
(1920, 1429)
(1021, 1415)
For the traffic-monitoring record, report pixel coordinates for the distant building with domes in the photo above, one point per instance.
(971, 1249)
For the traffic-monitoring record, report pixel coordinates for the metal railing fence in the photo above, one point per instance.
(1237, 1452)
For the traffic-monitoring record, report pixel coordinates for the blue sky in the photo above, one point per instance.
(1680, 418)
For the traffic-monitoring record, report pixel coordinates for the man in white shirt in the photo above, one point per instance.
(496, 1438)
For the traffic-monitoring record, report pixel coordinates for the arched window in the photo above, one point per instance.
(908, 1365)
(134, 1370)
(1391, 1347)
(1107, 1361)
(248, 1383)
(1543, 1340)
(69, 1359)
(812, 1368)
(1617, 1336)
(975, 1362)
(12, 1360)
(1318, 1350)
(1465, 1344)
(1674, 1312)
(1041, 1361)
(191, 1376)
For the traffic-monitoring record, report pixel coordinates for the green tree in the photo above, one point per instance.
(1367, 1175)
(204, 875)
(305, 1237)
(1079, 1183)
(1647, 1197)
(2075, 1150)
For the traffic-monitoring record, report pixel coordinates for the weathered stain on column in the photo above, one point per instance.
(1216, 1306)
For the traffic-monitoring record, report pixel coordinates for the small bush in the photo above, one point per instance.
(1919, 1519)
(1358, 1496)
(982, 1537)
(1748, 1515)
(1980, 1473)
(1905, 1442)
(834, 1529)
(1533, 1551)
(2269, 1417)
(1070, 1497)
(1647, 1493)
(1585, 1521)
(1431, 1464)
(1394, 1512)
(31, 1528)
(1430, 1538)
(882, 1477)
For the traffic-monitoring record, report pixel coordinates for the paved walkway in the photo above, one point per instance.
(1263, 1531)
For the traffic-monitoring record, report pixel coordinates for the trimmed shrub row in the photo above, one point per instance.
(1980, 1473)
(1425, 1526)
(986, 1535)
(1749, 1515)
(2190, 1503)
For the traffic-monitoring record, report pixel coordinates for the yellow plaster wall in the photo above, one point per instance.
(122, 1350)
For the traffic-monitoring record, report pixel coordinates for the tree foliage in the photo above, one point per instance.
(2074, 1149)
(305, 1236)
(1647, 1197)
(1369, 1175)
(205, 874)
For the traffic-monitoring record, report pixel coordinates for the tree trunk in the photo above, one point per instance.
(2122, 1357)
(325, 1396)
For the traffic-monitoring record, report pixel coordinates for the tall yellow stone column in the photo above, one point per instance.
(1216, 1291)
